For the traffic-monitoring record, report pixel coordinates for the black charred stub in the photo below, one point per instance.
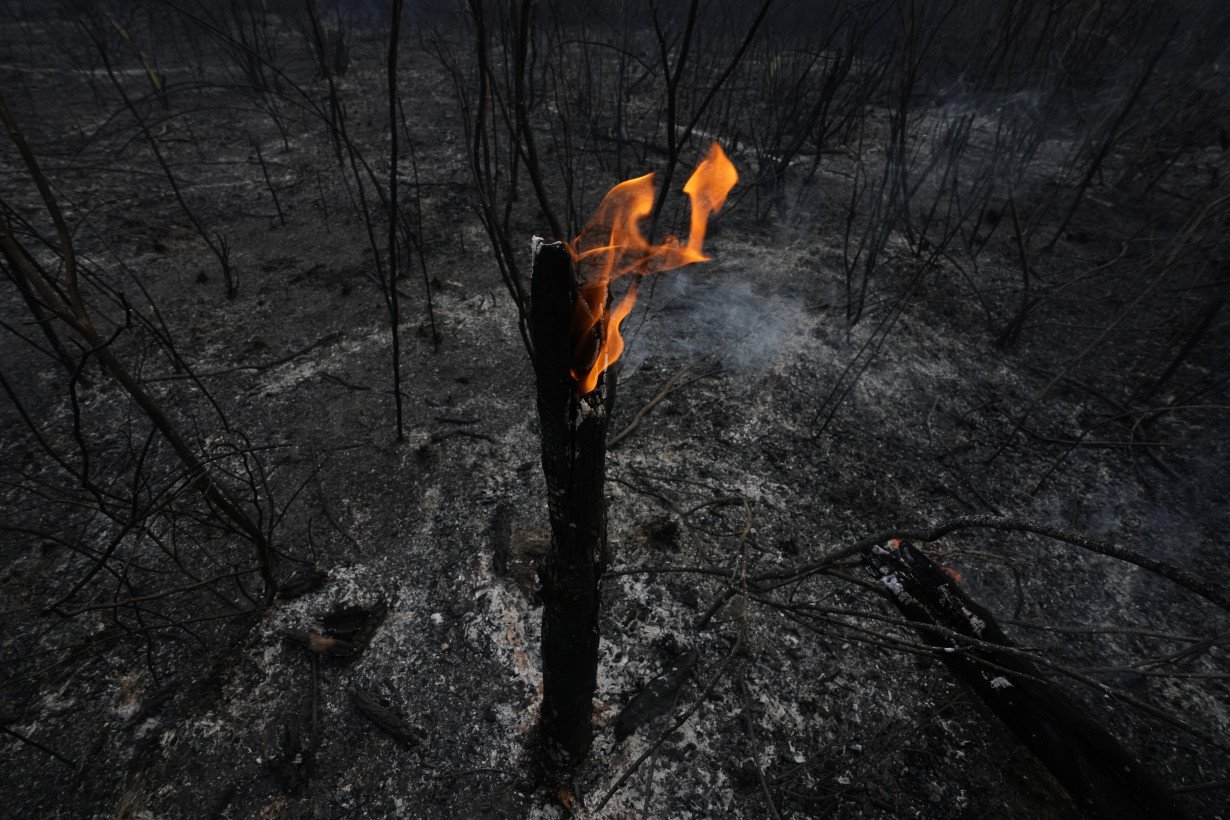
(574, 431)
(1103, 778)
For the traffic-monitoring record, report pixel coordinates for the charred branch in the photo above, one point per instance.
(1102, 776)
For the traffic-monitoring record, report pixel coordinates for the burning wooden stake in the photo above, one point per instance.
(574, 431)
(574, 332)
(1104, 779)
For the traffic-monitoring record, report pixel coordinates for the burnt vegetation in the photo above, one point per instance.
(911, 502)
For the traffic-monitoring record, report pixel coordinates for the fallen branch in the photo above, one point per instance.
(44, 749)
(1104, 779)
(1214, 593)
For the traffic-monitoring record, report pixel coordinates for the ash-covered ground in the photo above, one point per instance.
(789, 433)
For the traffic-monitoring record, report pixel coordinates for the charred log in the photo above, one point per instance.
(1103, 778)
(386, 716)
(574, 430)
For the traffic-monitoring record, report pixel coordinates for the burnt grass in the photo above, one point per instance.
(768, 454)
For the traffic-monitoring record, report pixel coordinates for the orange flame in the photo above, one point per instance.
(611, 246)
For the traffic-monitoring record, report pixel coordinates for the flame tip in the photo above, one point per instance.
(612, 245)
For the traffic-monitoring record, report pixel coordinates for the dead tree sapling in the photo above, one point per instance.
(216, 242)
(390, 294)
(73, 312)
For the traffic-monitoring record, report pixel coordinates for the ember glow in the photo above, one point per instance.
(611, 246)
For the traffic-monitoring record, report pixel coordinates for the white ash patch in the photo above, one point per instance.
(510, 630)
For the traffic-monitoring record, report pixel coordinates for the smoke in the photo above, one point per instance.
(733, 321)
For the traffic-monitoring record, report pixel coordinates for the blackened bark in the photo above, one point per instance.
(1103, 778)
(574, 462)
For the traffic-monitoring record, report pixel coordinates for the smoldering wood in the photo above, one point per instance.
(355, 624)
(1104, 779)
(329, 646)
(574, 431)
(346, 631)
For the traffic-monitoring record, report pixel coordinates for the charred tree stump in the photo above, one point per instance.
(1102, 777)
(574, 432)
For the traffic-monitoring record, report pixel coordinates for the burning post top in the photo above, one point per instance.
(611, 246)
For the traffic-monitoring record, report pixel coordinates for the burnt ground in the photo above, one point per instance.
(748, 466)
